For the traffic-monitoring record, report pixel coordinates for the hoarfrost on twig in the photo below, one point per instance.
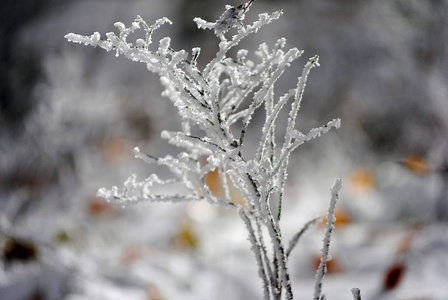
(299, 234)
(321, 270)
(211, 100)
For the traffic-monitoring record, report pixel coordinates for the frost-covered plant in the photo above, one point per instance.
(212, 101)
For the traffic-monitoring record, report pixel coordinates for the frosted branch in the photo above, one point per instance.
(299, 234)
(225, 45)
(232, 17)
(135, 192)
(300, 89)
(279, 252)
(299, 139)
(257, 250)
(327, 238)
(209, 102)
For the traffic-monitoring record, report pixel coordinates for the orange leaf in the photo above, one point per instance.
(342, 218)
(361, 180)
(416, 164)
(213, 182)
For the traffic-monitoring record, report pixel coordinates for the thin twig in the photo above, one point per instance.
(326, 247)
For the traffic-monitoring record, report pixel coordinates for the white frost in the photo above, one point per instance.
(210, 101)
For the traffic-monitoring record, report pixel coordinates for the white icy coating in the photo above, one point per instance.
(212, 100)
(327, 238)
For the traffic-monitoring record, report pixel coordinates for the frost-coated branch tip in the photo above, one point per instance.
(81, 39)
(232, 16)
(337, 186)
(321, 270)
(356, 294)
(297, 236)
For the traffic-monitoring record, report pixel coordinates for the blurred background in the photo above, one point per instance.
(69, 116)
